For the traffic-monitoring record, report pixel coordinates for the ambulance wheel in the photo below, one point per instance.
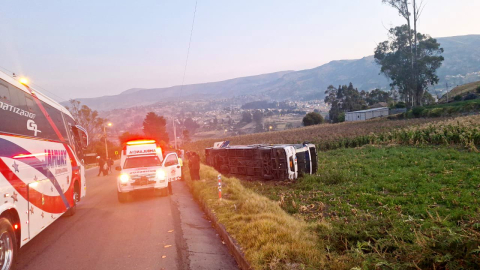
(8, 244)
(122, 197)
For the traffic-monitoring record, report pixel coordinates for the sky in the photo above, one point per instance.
(92, 48)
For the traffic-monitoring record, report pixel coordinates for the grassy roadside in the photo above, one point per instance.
(393, 207)
(269, 237)
(408, 203)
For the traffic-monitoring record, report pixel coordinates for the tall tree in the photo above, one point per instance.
(413, 87)
(87, 118)
(186, 136)
(376, 96)
(127, 136)
(191, 125)
(257, 117)
(246, 117)
(395, 58)
(154, 126)
(343, 99)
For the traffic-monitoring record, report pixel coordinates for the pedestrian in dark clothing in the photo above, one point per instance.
(188, 155)
(110, 164)
(101, 166)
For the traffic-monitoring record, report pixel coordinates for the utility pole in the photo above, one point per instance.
(105, 134)
(446, 85)
(175, 133)
(106, 147)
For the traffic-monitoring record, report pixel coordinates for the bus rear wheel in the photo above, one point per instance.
(8, 244)
(73, 209)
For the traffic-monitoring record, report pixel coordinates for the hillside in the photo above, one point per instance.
(461, 65)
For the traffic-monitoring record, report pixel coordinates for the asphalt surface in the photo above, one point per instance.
(146, 233)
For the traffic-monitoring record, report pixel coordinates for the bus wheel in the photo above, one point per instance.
(122, 197)
(73, 208)
(8, 244)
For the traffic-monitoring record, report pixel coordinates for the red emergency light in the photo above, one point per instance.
(140, 142)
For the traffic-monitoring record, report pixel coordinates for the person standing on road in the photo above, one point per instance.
(101, 165)
(110, 164)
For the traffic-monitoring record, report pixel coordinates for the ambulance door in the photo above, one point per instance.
(172, 167)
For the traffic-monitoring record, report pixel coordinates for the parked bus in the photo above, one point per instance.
(42, 175)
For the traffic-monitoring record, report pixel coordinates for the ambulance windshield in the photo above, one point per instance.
(138, 162)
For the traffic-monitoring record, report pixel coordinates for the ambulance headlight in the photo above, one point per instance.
(161, 175)
(124, 178)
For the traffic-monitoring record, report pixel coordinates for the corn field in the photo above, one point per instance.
(464, 131)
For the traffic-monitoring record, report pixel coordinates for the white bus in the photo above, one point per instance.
(42, 175)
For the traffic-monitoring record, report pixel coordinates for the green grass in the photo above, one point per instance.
(396, 207)
(454, 104)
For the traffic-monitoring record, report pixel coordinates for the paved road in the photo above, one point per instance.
(147, 233)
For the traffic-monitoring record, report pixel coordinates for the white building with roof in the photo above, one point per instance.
(366, 114)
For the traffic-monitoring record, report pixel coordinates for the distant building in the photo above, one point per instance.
(366, 114)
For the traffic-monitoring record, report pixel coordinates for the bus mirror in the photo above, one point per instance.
(83, 136)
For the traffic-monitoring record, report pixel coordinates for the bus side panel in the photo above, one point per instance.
(10, 199)
(40, 172)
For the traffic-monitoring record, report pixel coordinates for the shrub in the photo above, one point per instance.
(478, 89)
(397, 116)
(470, 96)
(425, 113)
(409, 114)
(312, 118)
(453, 110)
(417, 111)
(341, 117)
(457, 98)
(435, 112)
(469, 107)
(400, 105)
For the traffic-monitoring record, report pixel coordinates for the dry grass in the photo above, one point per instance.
(269, 237)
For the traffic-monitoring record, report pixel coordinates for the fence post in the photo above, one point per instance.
(220, 186)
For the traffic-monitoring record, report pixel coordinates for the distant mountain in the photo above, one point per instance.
(462, 59)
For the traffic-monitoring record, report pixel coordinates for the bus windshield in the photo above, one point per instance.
(137, 162)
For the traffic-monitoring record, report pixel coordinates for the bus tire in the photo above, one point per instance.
(8, 244)
(73, 209)
(122, 197)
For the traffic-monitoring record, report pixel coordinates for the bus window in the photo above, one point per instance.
(14, 97)
(80, 140)
(4, 93)
(30, 104)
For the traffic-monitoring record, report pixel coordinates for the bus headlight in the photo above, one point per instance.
(124, 178)
(161, 175)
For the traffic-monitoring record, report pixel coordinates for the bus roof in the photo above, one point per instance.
(39, 94)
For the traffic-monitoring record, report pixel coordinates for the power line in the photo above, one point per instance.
(189, 43)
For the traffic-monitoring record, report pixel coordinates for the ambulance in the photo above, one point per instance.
(144, 166)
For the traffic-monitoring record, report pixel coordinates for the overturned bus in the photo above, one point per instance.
(263, 162)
